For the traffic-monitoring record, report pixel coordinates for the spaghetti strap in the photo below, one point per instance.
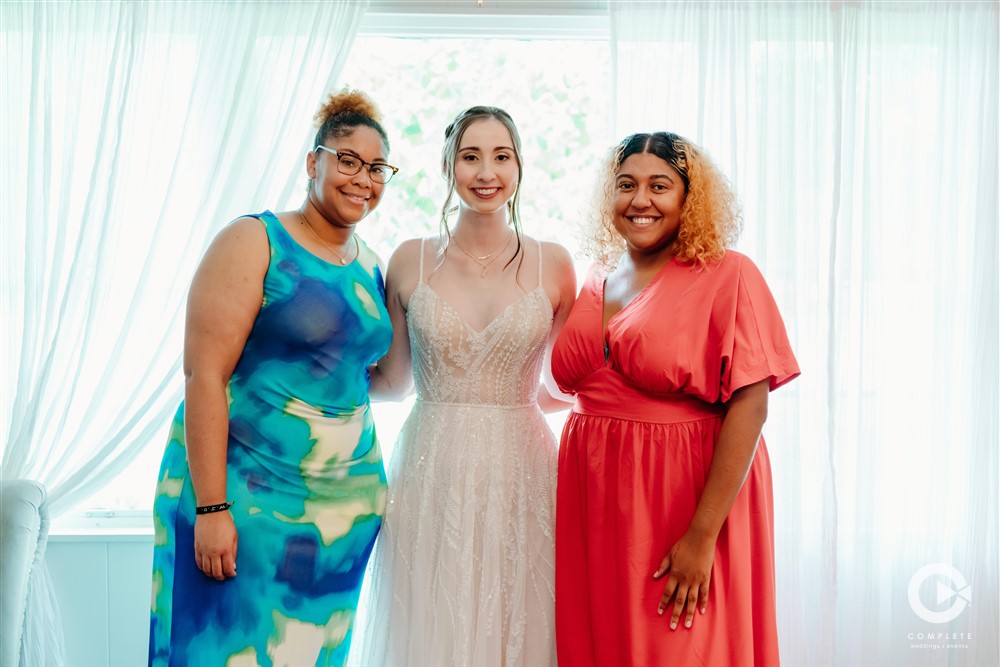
(539, 261)
(420, 275)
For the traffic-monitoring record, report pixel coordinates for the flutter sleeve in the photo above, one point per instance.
(756, 346)
(578, 351)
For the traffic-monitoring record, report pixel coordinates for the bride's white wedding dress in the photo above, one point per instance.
(463, 573)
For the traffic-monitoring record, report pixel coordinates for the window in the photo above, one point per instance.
(556, 91)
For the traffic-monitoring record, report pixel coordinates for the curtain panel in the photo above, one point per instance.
(862, 137)
(132, 132)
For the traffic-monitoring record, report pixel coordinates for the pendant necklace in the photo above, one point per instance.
(342, 258)
(484, 260)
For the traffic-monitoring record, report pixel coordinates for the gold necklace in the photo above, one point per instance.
(485, 260)
(342, 258)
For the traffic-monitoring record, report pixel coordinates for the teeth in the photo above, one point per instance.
(643, 221)
(485, 191)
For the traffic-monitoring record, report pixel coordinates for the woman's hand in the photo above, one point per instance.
(225, 297)
(215, 541)
(689, 564)
(689, 561)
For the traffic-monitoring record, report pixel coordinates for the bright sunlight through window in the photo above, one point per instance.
(556, 92)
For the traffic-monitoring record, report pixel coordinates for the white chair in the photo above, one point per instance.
(24, 532)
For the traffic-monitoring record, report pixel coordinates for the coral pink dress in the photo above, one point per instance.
(635, 457)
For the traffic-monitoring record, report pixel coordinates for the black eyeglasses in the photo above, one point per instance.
(349, 164)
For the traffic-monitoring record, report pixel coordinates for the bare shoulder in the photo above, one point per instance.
(556, 254)
(244, 233)
(406, 257)
(245, 226)
(557, 262)
(227, 286)
(407, 251)
(558, 272)
(551, 252)
(242, 243)
(404, 267)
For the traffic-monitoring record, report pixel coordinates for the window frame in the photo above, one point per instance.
(516, 19)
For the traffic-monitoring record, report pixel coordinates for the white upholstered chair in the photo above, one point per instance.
(24, 530)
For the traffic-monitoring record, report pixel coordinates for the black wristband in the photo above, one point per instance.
(208, 509)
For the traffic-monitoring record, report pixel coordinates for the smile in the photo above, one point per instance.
(356, 199)
(642, 221)
(486, 192)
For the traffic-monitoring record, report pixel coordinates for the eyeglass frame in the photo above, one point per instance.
(363, 163)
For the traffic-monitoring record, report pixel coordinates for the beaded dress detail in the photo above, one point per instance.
(463, 572)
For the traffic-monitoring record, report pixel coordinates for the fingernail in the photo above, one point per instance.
(687, 623)
(660, 611)
(703, 610)
(673, 626)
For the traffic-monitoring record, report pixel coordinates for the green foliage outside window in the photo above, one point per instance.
(556, 91)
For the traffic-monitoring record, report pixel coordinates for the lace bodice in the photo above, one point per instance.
(499, 365)
(464, 563)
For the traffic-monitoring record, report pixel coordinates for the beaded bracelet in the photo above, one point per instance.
(208, 509)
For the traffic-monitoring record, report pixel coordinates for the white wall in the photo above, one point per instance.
(103, 585)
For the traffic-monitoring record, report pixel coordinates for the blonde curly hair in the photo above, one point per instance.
(711, 219)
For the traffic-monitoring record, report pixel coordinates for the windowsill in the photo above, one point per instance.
(103, 526)
(425, 25)
(511, 19)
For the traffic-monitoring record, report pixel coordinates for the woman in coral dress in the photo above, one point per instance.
(664, 520)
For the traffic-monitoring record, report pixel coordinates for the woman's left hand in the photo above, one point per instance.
(689, 564)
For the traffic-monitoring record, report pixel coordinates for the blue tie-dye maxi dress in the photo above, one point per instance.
(304, 472)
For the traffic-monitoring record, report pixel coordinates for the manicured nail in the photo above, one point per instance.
(673, 625)
(703, 610)
(660, 611)
(687, 623)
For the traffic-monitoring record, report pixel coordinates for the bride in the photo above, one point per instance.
(463, 570)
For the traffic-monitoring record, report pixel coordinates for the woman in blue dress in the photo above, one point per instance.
(273, 469)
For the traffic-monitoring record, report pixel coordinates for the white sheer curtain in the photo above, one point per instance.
(863, 139)
(132, 131)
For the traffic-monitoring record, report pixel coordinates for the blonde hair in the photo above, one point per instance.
(711, 219)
